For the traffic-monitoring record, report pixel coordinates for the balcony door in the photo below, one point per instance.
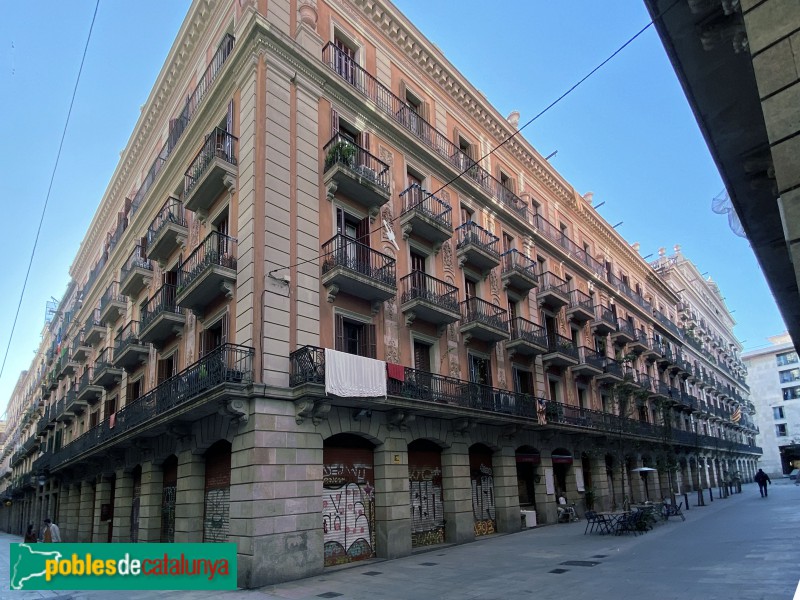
(480, 370)
(354, 248)
(345, 61)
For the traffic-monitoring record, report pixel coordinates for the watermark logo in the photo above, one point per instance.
(123, 567)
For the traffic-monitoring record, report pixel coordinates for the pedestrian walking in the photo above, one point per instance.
(50, 533)
(762, 479)
(30, 535)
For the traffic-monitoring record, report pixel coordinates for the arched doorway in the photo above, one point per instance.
(168, 492)
(425, 489)
(348, 499)
(562, 462)
(216, 524)
(135, 500)
(528, 461)
(482, 481)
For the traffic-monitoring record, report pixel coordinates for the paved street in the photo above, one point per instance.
(743, 547)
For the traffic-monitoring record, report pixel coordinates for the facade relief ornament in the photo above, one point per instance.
(307, 11)
(455, 368)
(447, 255)
(494, 283)
(392, 351)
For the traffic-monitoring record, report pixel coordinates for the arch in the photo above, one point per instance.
(348, 498)
(216, 522)
(169, 491)
(425, 492)
(528, 460)
(483, 496)
(562, 462)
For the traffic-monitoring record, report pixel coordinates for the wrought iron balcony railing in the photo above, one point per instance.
(472, 233)
(416, 199)
(218, 144)
(418, 285)
(591, 357)
(171, 212)
(347, 252)
(343, 151)
(579, 299)
(563, 345)
(404, 115)
(127, 336)
(162, 301)
(216, 249)
(514, 260)
(480, 311)
(523, 329)
(137, 259)
(228, 364)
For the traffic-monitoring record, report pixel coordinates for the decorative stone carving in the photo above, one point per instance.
(307, 11)
(392, 351)
(332, 291)
(455, 368)
(447, 255)
(330, 190)
(399, 419)
(385, 155)
(317, 410)
(390, 308)
(236, 408)
(494, 283)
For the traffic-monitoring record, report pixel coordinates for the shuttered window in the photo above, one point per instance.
(354, 337)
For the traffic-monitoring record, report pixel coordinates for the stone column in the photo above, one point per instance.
(506, 491)
(457, 494)
(392, 515)
(150, 503)
(102, 496)
(545, 503)
(123, 499)
(190, 497)
(85, 516)
(602, 497)
(65, 516)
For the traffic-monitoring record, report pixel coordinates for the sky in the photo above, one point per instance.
(627, 134)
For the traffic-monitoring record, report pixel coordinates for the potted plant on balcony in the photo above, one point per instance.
(341, 152)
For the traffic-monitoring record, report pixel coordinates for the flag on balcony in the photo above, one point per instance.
(737, 415)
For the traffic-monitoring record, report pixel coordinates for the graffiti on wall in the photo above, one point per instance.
(483, 507)
(348, 513)
(427, 509)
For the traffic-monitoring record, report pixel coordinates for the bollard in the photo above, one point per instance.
(686, 500)
(711, 493)
(700, 500)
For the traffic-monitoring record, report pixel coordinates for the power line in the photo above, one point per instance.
(513, 135)
(49, 189)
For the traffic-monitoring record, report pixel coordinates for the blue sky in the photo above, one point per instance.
(627, 134)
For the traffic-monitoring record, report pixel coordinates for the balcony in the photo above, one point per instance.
(482, 320)
(428, 299)
(590, 362)
(553, 291)
(354, 172)
(356, 269)
(477, 248)
(161, 318)
(624, 333)
(167, 232)
(212, 171)
(80, 349)
(208, 272)
(72, 404)
(425, 215)
(519, 271)
(365, 85)
(640, 342)
(87, 391)
(580, 308)
(68, 366)
(136, 273)
(129, 350)
(105, 373)
(561, 351)
(200, 390)
(112, 304)
(527, 338)
(612, 372)
(660, 389)
(604, 321)
(93, 330)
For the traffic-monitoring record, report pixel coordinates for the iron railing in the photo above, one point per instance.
(551, 281)
(112, 294)
(562, 345)
(591, 357)
(472, 233)
(514, 260)
(408, 118)
(216, 249)
(418, 285)
(171, 212)
(523, 329)
(418, 200)
(624, 326)
(163, 301)
(218, 144)
(605, 314)
(347, 252)
(343, 151)
(127, 336)
(579, 299)
(136, 260)
(478, 310)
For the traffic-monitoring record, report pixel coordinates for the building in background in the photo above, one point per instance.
(773, 374)
(284, 330)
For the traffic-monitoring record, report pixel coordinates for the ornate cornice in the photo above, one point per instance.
(152, 117)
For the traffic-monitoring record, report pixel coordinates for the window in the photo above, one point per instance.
(466, 215)
(786, 358)
(508, 242)
(523, 381)
(214, 336)
(417, 261)
(506, 182)
(94, 418)
(777, 412)
(422, 356)
(791, 393)
(167, 367)
(110, 407)
(480, 370)
(134, 390)
(344, 59)
(790, 375)
(470, 288)
(414, 114)
(355, 337)
(780, 430)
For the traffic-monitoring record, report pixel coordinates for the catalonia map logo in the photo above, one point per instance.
(123, 567)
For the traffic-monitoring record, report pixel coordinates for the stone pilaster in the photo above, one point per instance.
(457, 494)
(392, 516)
(85, 517)
(150, 503)
(102, 493)
(190, 497)
(123, 496)
(506, 491)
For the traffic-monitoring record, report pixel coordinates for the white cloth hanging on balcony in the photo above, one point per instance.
(349, 375)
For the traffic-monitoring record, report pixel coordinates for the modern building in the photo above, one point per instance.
(738, 63)
(773, 374)
(286, 329)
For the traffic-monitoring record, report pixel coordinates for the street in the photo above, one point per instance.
(742, 547)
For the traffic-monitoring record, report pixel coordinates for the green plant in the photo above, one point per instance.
(343, 152)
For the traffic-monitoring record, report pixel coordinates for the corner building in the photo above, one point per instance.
(285, 331)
